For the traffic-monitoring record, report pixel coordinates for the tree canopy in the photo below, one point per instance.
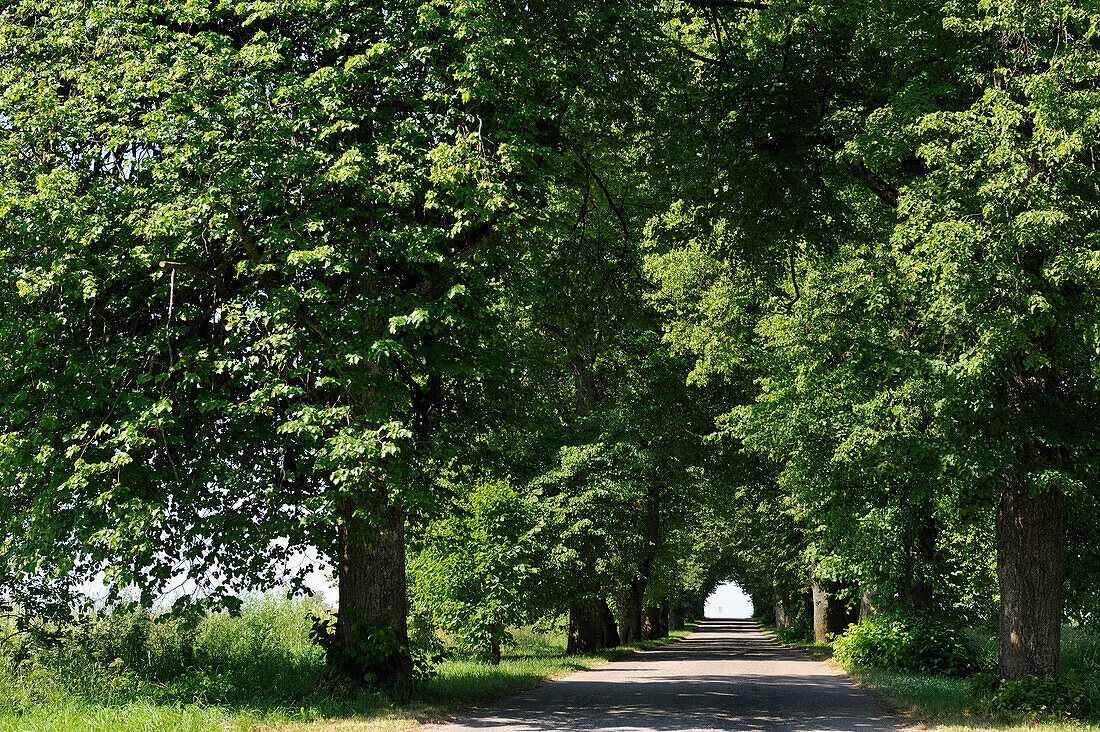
(575, 309)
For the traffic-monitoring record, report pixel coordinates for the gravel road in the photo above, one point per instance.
(725, 676)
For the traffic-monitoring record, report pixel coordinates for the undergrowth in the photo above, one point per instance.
(939, 693)
(131, 672)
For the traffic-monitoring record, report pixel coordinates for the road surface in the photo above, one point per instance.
(725, 676)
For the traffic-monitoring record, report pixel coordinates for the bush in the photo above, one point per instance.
(796, 632)
(1066, 696)
(903, 643)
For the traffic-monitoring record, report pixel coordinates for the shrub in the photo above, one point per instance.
(796, 632)
(1066, 696)
(897, 642)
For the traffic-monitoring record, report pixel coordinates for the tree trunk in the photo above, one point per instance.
(591, 627)
(651, 626)
(831, 614)
(782, 617)
(631, 632)
(786, 606)
(1030, 569)
(762, 610)
(919, 548)
(676, 617)
(610, 632)
(866, 609)
(585, 392)
(373, 604)
(495, 634)
(663, 614)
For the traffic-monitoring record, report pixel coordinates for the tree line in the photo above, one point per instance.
(553, 308)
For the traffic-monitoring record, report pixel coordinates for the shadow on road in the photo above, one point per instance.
(711, 641)
(725, 676)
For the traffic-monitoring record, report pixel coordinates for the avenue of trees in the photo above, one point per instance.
(554, 309)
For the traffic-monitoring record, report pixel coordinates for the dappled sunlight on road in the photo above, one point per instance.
(725, 676)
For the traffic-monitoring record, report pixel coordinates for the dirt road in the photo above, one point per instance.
(725, 676)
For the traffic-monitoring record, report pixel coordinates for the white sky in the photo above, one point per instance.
(319, 580)
(728, 601)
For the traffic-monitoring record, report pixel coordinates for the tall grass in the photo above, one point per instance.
(138, 672)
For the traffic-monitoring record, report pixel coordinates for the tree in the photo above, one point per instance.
(247, 254)
(474, 571)
(948, 147)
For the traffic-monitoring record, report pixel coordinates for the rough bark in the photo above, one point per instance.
(866, 609)
(585, 392)
(373, 604)
(591, 627)
(782, 619)
(831, 614)
(1030, 572)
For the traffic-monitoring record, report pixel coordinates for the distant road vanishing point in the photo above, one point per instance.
(727, 675)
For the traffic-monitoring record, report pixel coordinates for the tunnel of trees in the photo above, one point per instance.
(577, 309)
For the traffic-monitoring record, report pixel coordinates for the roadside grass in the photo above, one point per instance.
(258, 671)
(944, 704)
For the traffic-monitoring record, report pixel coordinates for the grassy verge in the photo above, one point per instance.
(943, 703)
(256, 672)
(461, 684)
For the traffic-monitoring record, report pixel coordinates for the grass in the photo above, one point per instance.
(944, 704)
(129, 673)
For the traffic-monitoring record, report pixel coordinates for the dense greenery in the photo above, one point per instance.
(518, 312)
(903, 643)
(137, 671)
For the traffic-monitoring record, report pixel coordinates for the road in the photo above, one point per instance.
(725, 676)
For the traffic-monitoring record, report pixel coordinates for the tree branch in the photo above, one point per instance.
(192, 269)
(242, 231)
(794, 281)
(606, 194)
(885, 192)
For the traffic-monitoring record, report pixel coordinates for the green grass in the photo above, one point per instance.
(255, 672)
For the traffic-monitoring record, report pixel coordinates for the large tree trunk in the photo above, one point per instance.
(1030, 568)
(373, 603)
(832, 615)
(782, 618)
(591, 627)
(919, 547)
(631, 630)
(585, 387)
(866, 608)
